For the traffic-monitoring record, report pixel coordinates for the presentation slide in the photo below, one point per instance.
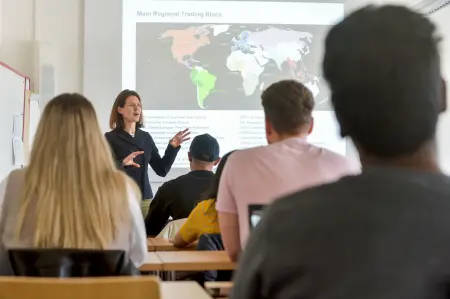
(204, 64)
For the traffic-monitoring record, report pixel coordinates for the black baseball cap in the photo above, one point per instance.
(205, 148)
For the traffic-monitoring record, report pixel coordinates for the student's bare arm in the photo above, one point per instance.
(229, 228)
(178, 241)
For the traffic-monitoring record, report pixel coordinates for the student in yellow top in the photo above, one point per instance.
(203, 219)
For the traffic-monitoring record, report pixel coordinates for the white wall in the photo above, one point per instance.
(351, 5)
(103, 47)
(48, 31)
(17, 30)
(442, 20)
(1, 23)
(56, 28)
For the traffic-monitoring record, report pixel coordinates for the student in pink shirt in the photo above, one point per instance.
(289, 163)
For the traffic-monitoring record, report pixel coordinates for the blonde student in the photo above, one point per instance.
(71, 194)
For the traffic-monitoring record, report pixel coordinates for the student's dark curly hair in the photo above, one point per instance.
(383, 68)
(214, 188)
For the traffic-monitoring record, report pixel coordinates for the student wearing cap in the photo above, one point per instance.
(203, 219)
(178, 197)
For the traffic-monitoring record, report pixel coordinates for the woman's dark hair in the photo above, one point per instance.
(214, 188)
(115, 118)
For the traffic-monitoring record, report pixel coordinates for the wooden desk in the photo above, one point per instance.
(150, 246)
(152, 263)
(195, 260)
(183, 290)
(162, 244)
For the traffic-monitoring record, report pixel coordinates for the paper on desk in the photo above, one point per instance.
(18, 151)
(18, 125)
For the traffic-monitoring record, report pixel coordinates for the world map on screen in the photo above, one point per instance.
(250, 52)
(228, 63)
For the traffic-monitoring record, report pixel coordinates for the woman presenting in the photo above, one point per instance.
(134, 148)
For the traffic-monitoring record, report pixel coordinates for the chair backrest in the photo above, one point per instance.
(70, 263)
(171, 229)
(76, 288)
(210, 242)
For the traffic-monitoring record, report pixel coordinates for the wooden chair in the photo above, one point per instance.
(219, 289)
(218, 285)
(76, 288)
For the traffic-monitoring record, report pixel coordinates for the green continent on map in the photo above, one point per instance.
(205, 83)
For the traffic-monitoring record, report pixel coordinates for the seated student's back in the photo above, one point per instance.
(386, 232)
(177, 198)
(70, 195)
(203, 220)
(289, 163)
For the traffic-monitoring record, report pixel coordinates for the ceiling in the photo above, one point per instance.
(308, 1)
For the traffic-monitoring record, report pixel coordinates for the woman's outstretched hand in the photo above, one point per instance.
(128, 161)
(180, 137)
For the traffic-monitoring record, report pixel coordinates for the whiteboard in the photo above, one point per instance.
(13, 85)
(35, 114)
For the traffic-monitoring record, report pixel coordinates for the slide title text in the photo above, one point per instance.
(176, 14)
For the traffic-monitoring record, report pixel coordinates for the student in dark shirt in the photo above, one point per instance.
(384, 233)
(178, 197)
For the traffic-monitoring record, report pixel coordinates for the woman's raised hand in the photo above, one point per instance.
(179, 138)
(128, 161)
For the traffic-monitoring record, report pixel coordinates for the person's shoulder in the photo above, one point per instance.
(332, 155)
(16, 174)
(248, 154)
(199, 209)
(146, 136)
(133, 191)
(111, 134)
(205, 205)
(166, 184)
(169, 186)
(14, 180)
(182, 181)
(297, 207)
(12, 176)
(315, 196)
(344, 163)
(178, 180)
(266, 151)
(253, 150)
(205, 209)
(144, 132)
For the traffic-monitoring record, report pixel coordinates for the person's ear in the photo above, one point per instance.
(443, 96)
(120, 110)
(269, 128)
(189, 156)
(342, 126)
(311, 125)
(217, 161)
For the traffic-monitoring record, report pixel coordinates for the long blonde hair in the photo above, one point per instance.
(72, 191)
